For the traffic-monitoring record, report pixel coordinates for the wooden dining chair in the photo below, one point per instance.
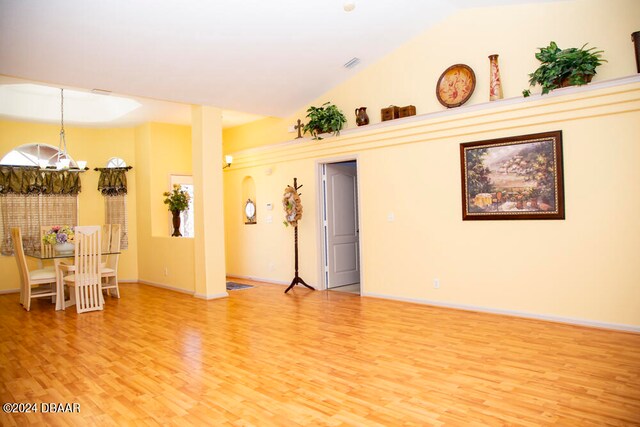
(85, 273)
(46, 249)
(44, 280)
(106, 241)
(110, 266)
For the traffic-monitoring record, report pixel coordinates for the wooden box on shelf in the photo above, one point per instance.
(407, 111)
(389, 113)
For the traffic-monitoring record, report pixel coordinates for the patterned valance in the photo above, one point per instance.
(113, 181)
(33, 180)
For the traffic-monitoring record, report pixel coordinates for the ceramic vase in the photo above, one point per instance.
(64, 248)
(176, 224)
(361, 116)
(495, 84)
(636, 40)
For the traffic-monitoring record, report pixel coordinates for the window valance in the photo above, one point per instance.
(113, 181)
(33, 180)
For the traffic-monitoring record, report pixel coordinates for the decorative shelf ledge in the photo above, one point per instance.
(437, 124)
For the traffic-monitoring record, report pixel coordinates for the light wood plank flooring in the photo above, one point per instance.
(263, 358)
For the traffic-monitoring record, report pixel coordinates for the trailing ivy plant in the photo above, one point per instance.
(323, 119)
(564, 67)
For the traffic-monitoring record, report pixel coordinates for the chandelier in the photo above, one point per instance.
(63, 160)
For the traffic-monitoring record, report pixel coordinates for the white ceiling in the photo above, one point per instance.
(26, 100)
(264, 57)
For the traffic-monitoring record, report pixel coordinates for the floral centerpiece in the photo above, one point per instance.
(61, 237)
(177, 200)
(59, 234)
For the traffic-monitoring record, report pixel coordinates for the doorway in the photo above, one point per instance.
(340, 228)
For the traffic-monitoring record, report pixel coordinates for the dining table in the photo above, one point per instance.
(57, 259)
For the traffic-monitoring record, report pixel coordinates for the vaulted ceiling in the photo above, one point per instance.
(266, 57)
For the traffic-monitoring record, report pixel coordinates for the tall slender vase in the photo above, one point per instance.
(176, 223)
(495, 84)
(636, 40)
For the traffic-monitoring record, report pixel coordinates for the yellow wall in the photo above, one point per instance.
(162, 150)
(155, 151)
(408, 75)
(579, 268)
(96, 146)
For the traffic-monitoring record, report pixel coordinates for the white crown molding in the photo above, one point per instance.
(578, 102)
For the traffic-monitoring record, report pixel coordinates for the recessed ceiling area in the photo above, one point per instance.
(260, 57)
(24, 100)
(29, 101)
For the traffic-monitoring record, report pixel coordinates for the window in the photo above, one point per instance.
(39, 202)
(113, 185)
(186, 217)
(116, 162)
(43, 155)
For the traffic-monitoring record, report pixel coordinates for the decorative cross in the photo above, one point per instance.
(298, 127)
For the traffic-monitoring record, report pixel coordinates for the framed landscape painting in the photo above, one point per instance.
(513, 178)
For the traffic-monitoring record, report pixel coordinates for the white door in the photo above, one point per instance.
(343, 258)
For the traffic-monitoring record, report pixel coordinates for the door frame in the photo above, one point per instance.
(320, 199)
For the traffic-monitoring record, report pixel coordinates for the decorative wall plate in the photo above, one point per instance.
(455, 85)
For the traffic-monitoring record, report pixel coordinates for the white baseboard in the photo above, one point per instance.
(184, 291)
(10, 291)
(212, 296)
(163, 286)
(549, 318)
(260, 279)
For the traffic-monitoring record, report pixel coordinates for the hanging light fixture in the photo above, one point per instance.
(63, 161)
(62, 158)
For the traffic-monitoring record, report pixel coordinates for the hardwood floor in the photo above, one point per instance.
(264, 358)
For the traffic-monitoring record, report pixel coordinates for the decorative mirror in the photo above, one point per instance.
(250, 212)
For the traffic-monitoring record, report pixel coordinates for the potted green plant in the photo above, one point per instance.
(327, 118)
(564, 67)
(177, 201)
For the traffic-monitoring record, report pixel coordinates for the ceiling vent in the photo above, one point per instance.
(352, 63)
(101, 91)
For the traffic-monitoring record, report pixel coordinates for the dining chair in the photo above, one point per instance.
(46, 249)
(44, 279)
(85, 273)
(110, 266)
(106, 241)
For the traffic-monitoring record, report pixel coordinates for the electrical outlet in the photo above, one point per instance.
(272, 266)
(436, 283)
(166, 271)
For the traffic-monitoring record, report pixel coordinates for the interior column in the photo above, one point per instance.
(209, 249)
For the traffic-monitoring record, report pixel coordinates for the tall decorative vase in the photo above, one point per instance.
(495, 84)
(176, 223)
(636, 40)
